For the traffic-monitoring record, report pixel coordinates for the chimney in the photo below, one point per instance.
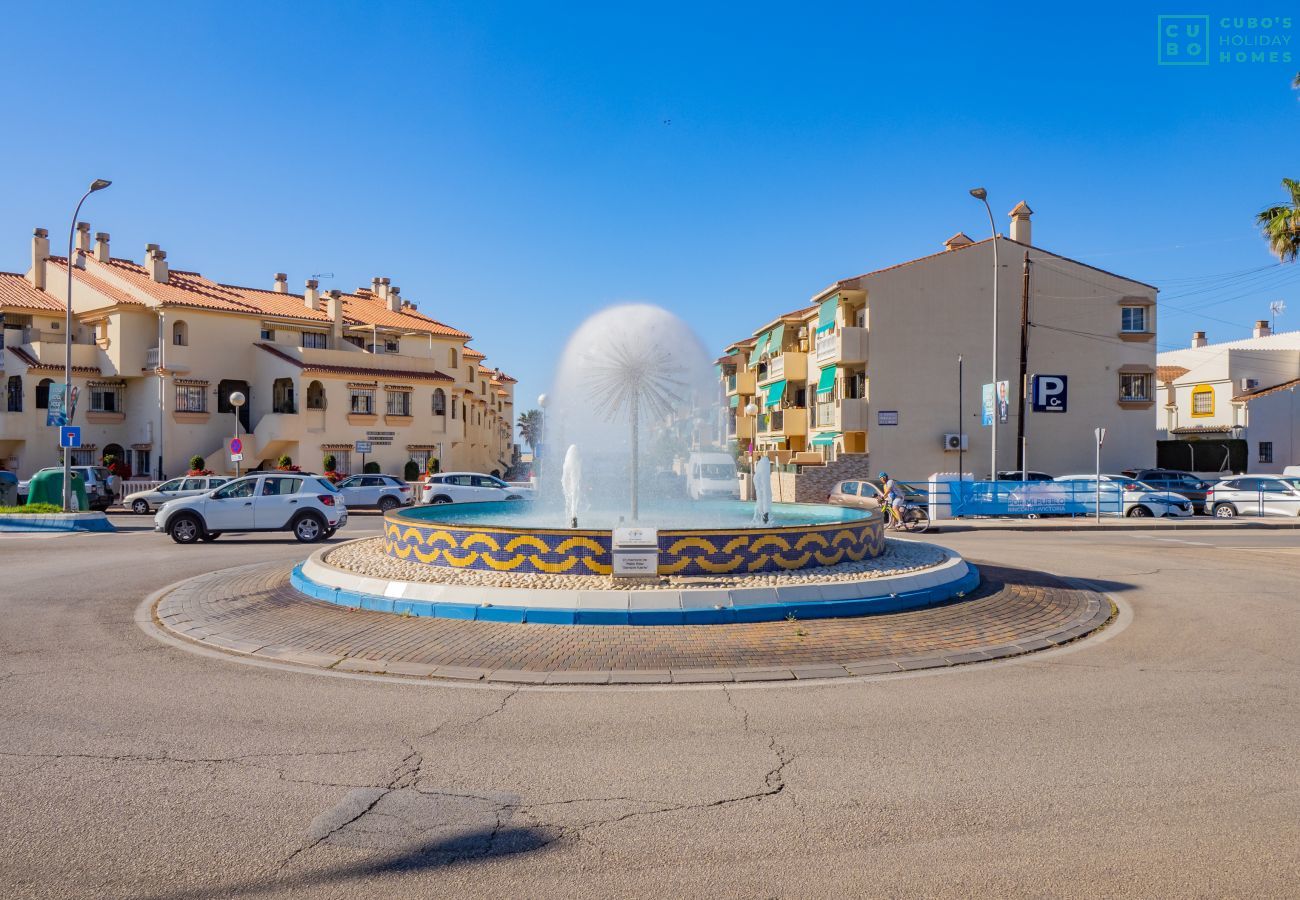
(155, 263)
(334, 307)
(40, 253)
(374, 285)
(281, 283)
(1262, 328)
(101, 247)
(394, 299)
(83, 237)
(1198, 339)
(960, 239)
(310, 294)
(1020, 228)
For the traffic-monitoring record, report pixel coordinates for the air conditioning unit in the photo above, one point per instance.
(954, 442)
(1249, 384)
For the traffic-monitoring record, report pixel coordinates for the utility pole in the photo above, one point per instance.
(1024, 367)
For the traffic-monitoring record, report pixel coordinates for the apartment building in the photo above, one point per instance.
(870, 364)
(158, 352)
(1232, 406)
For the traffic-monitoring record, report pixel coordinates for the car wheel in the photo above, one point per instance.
(329, 532)
(514, 497)
(441, 498)
(1139, 512)
(139, 507)
(1225, 511)
(388, 504)
(209, 536)
(308, 529)
(185, 529)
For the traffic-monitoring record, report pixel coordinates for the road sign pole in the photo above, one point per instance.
(1100, 434)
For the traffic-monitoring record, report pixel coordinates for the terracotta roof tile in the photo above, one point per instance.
(423, 375)
(36, 365)
(365, 308)
(471, 353)
(1166, 374)
(17, 291)
(1203, 429)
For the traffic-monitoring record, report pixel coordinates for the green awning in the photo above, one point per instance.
(778, 335)
(826, 315)
(735, 399)
(774, 392)
(759, 347)
(826, 380)
(825, 439)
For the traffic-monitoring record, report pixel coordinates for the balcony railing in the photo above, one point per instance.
(791, 365)
(842, 345)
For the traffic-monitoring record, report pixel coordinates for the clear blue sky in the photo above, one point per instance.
(516, 166)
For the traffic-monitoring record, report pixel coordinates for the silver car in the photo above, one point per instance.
(142, 502)
(381, 492)
(1255, 495)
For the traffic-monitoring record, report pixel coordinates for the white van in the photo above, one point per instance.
(712, 475)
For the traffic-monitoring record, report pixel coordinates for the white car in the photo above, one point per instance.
(381, 492)
(142, 502)
(1134, 498)
(467, 487)
(1254, 495)
(307, 505)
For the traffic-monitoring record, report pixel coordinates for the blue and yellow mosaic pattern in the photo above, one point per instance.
(579, 552)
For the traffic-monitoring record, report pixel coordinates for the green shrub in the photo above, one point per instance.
(330, 463)
(31, 509)
(434, 466)
(411, 471)
(284, 462)
(371, 468)
(196, 463)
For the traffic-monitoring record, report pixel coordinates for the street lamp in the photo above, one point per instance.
(97, 185)
(237, 399)
(751, 411)
(983, 196)
(542, 400)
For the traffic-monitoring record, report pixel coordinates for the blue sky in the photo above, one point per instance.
(516, 166)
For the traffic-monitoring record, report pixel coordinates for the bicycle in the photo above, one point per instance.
(913, 519)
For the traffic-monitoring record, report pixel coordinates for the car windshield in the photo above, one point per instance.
(101, 474)
(717, 471)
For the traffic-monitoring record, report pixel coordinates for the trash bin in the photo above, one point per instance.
(8, 489)
(47, 487)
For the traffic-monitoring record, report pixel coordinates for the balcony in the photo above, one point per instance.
(791, 422)
(791, 365)
(841, 346)
(48, 349)
(740, 428)
(177, 356)
(741, 383)
(840, 414)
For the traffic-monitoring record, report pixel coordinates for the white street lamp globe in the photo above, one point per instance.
(751, 409)
(238, 399)
(542, 400)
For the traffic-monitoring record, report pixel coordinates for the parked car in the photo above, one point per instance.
(308, 505)
(1030, 475)
(712, 475)
(868, 494)
(8, 489)
(1255, 495)
(1184, 483)
(467, 487)
(381, 492)
(141, 502)
(99, 494)
(1124, 496)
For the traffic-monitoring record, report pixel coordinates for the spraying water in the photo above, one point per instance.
(571, 483)
(762, 491)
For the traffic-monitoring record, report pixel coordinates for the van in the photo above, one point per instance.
(712, 475)
(1291, 472)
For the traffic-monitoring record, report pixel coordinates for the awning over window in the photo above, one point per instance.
(778, 335)
(826, 380)
(734, 399)
(825, 439)
(759, 346)
(774, 392)
(826, 315)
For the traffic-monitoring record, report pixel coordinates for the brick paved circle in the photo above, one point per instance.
(253, 610)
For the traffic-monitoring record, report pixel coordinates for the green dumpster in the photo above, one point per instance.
(47, 487)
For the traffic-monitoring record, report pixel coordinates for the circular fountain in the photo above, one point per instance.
(610, 538)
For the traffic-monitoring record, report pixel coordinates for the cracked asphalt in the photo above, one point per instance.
(1157, 759)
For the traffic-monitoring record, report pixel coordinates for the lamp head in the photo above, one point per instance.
(237, 399)
(99, 184)
(751, 409)
(979, 193)
(541, 400)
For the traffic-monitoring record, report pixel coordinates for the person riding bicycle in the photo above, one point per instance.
(893, 495)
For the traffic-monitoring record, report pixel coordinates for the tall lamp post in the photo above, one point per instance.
(237, 400)
(97, 185)
(542, 400)
(751, 412)
(983, 196)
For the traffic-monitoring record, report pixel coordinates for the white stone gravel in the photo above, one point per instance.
(366, 557)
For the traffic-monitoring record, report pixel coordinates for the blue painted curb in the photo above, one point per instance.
(43, 522)
(767, 612)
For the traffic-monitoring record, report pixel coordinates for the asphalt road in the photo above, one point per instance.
(1158, 760)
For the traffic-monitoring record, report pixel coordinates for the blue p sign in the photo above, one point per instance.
(1049, 393)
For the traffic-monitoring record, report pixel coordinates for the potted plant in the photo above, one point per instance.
(411, 471)
(330, 464)
(196, 467)
(285, 464)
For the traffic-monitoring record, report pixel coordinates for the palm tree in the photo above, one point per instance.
(1281, 224)
(530, 428)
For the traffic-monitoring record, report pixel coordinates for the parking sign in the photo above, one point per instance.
(1050, 393)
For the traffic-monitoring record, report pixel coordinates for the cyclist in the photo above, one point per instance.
(893, 497)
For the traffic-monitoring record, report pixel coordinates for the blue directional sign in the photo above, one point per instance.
(70, 436)
(1049, 393)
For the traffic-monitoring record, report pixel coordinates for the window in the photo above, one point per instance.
(282, 399)
(315, 395)
(14, 393)
(83, 456)
(191, 398)
(106, 398)
(1266, 451)
(237, 489)
(399, 403)
(391, 345)
(1203, 400)
(43, 393)
(1133, 319)
(171, 486)
(180, 334)
(440, 401)
(451, 358)
(420, 458)
(268, 334)
(142, 462)
(281, 487)
(315, 340)
(356, 340)
(342, 460)
(193, 484)
(363, 401)
(1133, 387)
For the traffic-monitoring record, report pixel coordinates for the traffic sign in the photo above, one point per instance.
(363, 447)
(236, 445)
(1050, 393)
(236, 457)
(70, 436)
